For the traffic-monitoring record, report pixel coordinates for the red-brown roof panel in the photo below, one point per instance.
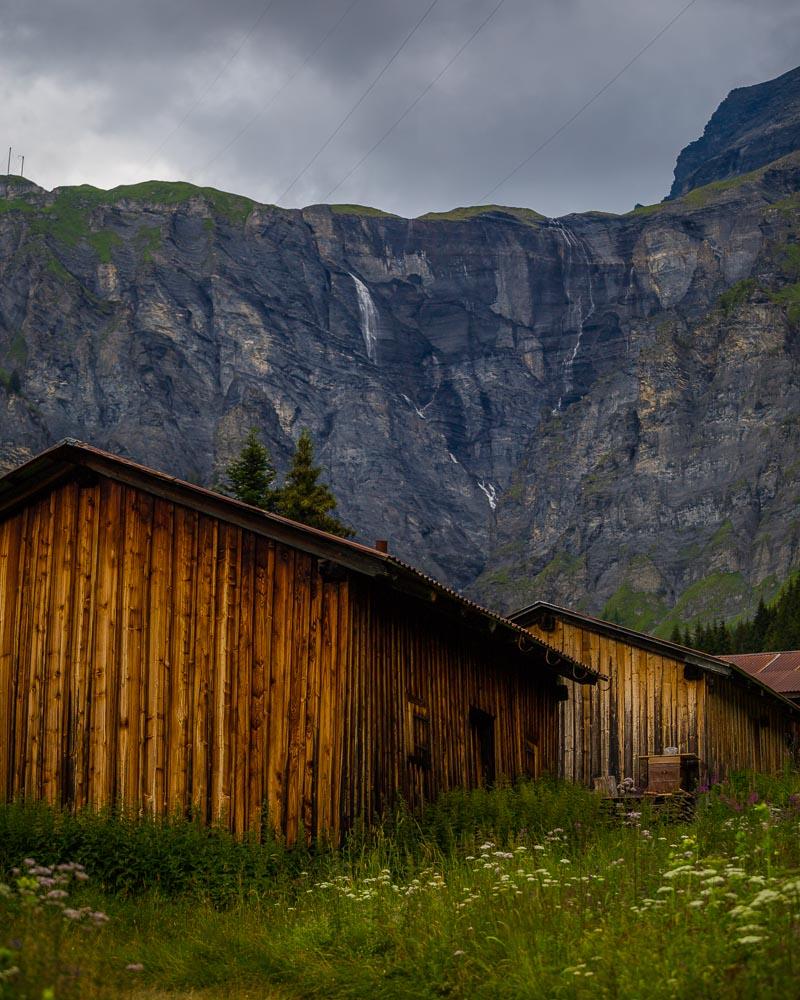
(781, 670)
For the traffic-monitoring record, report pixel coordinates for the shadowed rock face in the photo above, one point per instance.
(752, 127)
(531, 408)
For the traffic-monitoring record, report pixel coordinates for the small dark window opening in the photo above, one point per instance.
(532, 766)
(482, 729)
(420, 740)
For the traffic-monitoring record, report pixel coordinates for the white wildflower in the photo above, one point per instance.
(765, 896)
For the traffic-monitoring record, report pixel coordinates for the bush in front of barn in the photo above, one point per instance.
(129, 854)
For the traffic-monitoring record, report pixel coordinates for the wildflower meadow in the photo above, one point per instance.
(525, 891)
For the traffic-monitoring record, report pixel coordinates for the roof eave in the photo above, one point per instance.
(714, 665)
(68, 456)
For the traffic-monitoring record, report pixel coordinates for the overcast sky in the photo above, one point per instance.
(241, 95)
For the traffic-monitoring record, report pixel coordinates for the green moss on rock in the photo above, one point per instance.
(104, 242)
(706, 600)
(634, 608)
(789, 297)
(367, 211)
(148, 240)
(737, 295)
(526, 215)
(18, 349)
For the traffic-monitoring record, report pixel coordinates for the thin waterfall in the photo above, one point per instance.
(370, 321)
(575, 318)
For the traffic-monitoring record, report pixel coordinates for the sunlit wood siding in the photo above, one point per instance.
(745, 728)
(644, 706)
(160, 657)
(648, 704)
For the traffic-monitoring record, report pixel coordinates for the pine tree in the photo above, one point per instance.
(250, 476)
(725, 640)
(303, 498)
(742, 637)
(760, 626)
(703, 637)
(784, 629)
(675, 634)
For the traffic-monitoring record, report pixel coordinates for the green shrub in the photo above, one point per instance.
(130, 855)
(737, 295)
(789, 296)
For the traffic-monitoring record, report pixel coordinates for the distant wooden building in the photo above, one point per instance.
(660, 698)
(173, 650)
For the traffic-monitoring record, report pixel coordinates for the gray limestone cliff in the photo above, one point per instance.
(599, 410)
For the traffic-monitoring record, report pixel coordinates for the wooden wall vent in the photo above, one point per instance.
(691, 672)
(547, 622)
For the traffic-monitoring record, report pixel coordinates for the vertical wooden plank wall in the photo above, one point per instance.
(155, 656)
(744, 729)
(645, 706)
(407, 662)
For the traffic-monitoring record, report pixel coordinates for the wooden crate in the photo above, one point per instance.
(669, 772)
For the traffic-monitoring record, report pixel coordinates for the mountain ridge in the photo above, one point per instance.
(526, 407)
(753, 126)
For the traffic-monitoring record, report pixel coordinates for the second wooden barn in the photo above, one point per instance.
(173, 650)
(659, 699)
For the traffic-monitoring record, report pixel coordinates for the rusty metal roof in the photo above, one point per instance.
(70, 455)
(780, 670)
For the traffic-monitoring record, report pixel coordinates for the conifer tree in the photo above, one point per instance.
(701, 637)
(774, 627)
(760, 626)
(250, 476)
(303, 498)
(784, 629)
(722, 639)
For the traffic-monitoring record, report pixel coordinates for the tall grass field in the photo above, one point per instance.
(530, 891)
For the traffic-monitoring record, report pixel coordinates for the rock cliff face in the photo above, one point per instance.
(670, 488)
(600, 410)
(752, 127)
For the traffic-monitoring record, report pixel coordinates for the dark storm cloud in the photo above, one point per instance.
(94, 91)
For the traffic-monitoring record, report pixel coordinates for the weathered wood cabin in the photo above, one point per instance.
(659, 698)
(173, 650)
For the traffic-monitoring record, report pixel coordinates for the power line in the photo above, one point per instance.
(416, 101)
(277, 94)
(203, 94)
(359, 102)
(485, 198)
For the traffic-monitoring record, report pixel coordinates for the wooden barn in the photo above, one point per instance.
(659, 699)
(170, 649)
